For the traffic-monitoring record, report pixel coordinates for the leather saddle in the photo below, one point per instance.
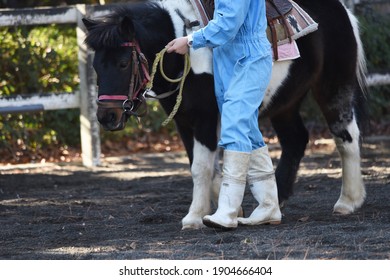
(276, 11)
(277, 8)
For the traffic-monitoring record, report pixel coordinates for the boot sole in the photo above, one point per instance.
(211, 224)
(262, 223)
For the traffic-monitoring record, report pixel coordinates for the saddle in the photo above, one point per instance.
(282, 19)
(276, 12)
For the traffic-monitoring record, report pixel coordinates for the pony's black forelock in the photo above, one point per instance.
(106, 32)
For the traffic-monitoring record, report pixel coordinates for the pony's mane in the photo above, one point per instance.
(106, 33)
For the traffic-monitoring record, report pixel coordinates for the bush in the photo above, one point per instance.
(375, 29)
(38, 60)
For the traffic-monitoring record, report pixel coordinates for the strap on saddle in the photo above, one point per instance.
(276, 10)
(208, 7)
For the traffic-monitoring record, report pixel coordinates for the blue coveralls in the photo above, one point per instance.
(242, 64)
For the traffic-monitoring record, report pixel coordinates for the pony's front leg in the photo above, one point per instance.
(203, 174)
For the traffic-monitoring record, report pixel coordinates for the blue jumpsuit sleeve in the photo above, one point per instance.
(228, 18)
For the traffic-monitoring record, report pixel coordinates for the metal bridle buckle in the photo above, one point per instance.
(128, 106)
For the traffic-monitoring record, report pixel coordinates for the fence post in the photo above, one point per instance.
(89, 127)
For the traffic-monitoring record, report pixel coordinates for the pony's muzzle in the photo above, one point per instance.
(112, 119)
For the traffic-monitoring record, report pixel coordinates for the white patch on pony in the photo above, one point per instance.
(280, 72)
(203, 172)
(201, 59)
(352, 190)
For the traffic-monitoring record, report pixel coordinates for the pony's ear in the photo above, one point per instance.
(89, 23)
(127, 28)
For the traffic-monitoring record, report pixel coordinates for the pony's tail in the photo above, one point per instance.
(361, 65)
(361, 104)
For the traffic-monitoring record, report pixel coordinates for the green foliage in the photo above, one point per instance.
(35, 3)
(375, 30)
(38, 60)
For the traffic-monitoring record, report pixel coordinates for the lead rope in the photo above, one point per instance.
(187, 67)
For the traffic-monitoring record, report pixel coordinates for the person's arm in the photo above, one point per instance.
(229, 17)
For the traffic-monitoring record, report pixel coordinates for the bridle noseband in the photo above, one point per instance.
(135, 98)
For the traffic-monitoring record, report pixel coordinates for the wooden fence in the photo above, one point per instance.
(86, 96)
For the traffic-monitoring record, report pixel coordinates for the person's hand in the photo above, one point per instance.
(178, 45)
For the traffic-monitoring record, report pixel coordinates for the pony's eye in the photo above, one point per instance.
(123, 64)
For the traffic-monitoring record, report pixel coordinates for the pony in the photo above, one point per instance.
(331, 66)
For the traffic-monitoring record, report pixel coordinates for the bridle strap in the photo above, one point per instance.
(129, 44)
(144, 62)
(112, 97)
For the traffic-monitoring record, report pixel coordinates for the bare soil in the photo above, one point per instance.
(131, 208)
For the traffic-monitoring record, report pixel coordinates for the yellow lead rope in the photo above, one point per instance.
(187, 67)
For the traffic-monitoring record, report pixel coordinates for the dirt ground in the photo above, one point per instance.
(131, 208)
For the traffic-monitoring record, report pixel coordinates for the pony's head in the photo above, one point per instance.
(121, 67)
(112, 62)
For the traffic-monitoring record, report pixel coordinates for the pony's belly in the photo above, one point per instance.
(280, 72)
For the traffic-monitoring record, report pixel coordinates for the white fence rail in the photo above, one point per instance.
(39, 102)
(378, 79)
(86, 96)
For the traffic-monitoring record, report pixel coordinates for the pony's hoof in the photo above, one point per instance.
(192, 227)
(342, 209)
(346, 206)
(192, 223)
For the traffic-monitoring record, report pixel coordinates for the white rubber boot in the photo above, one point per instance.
(235, 168)
(262, 182)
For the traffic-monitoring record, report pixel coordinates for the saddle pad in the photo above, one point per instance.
(287, 51)
(299, 23)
